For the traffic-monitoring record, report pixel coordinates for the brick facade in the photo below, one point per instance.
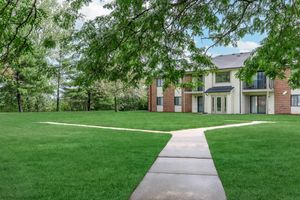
(152, 97)
(186, 98)
(169, 99)
(282, 93)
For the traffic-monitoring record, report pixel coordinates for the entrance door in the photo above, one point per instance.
(219, 104)
(200, 104)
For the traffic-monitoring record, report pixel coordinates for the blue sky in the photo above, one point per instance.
(248, 43)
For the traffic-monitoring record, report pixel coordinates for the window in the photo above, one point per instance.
(177, 101)
(219, 104)
(222, 77)
(159, 101)
(159, 82)
(295, 101)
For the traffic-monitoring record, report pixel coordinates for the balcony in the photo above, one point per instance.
(263, 84)
(258, 84)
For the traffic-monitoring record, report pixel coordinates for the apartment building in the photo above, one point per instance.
(223, 93)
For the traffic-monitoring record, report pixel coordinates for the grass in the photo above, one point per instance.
(259, 162)
(39, 161)
(146, 120)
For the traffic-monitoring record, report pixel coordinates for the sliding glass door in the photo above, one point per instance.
(258, 104)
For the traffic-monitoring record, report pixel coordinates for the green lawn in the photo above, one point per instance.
(259, 162)
(39, 161)
(43, 162)
(146, 120)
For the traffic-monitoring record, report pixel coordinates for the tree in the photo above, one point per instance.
(27, 74)
(27, 77)
(18, 19)
(145, 39)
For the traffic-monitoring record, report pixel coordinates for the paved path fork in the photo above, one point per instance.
(184, 170)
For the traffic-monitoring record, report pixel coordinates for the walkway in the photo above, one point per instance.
(184, 170)
(104, 127)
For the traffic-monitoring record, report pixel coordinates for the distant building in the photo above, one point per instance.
(223, 93)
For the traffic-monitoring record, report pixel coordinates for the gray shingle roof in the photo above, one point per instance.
(230, 61)
(219, 89)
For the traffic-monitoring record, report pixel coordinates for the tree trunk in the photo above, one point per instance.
(57, 91)
(37, 104)
(19, 96)
(19, 99)
(116, 104)
(89, 101)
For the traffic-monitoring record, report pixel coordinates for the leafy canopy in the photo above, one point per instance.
(150, 38)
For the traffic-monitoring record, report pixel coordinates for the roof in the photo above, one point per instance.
(219, 89)
(231, 61)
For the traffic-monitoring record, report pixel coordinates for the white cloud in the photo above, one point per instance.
(246, 46)
(95, 9)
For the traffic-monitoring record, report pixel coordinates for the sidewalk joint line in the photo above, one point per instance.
(178, 173)
(188, 157)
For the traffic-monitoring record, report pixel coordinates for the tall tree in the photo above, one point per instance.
(29, 69)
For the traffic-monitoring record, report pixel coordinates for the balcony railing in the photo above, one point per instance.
(259, 84)
(196, 90)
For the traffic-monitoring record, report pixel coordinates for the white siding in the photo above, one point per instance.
(194, 104)
(207, 104)
(178, 109)
(159, 108)
(297, 91)
(295, 110)
(271, 104)
(208, 81)
(159, 92)
(177, 92)
(233, 98)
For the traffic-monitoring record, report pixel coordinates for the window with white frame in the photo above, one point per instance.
(295, 100)
(159, 101)
(223, 77)
(159, 82)
(177, 101)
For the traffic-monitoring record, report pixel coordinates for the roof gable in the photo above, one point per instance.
(231, 61)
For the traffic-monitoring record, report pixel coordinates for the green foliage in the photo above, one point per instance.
(147, 39)
(18, 20)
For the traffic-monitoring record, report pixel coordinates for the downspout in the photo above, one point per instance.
(240, 97)
(150, 98)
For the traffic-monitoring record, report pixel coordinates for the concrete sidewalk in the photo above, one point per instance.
(184, 170)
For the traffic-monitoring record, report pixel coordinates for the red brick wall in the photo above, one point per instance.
(152, 97)
(169, 99)
(282, 102)
(186, 98)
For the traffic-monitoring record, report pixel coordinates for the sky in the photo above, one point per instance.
(248, 43)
